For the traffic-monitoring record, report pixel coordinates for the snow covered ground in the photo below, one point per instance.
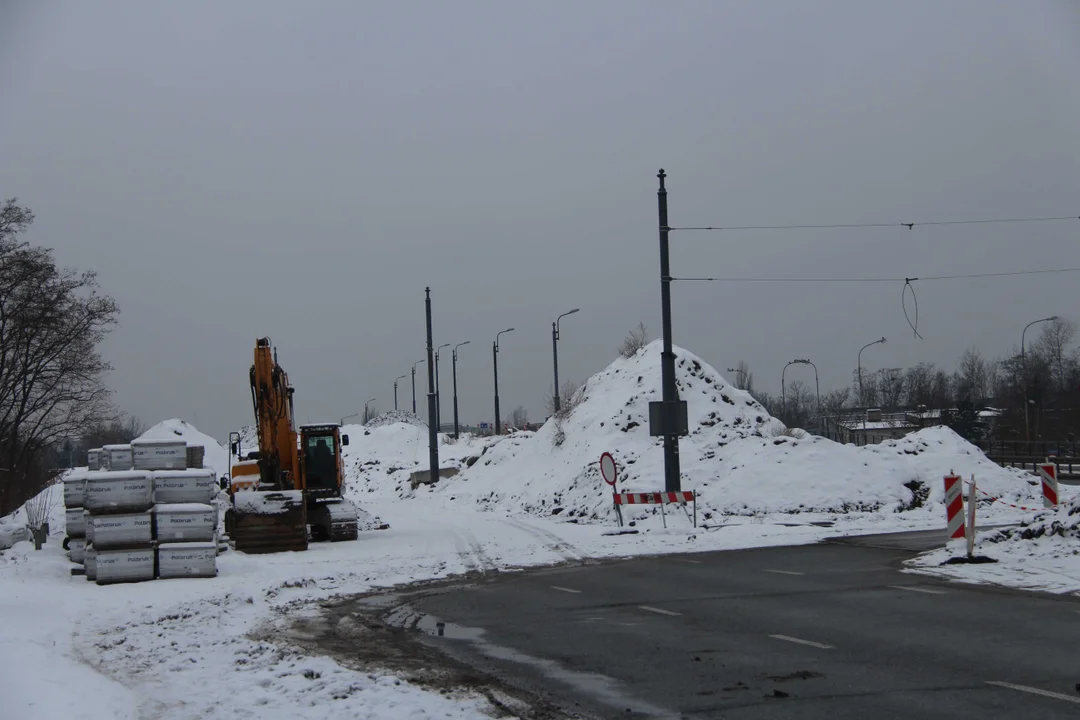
(220, 648)
(1042, 553)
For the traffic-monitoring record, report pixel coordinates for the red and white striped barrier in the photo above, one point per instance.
(954, 505)
(656, 498)
(1048, 473)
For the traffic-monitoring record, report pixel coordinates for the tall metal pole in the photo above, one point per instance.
(454, 363)
(400, 377)
(1023, 369)
(862, 396)
(555, 356)
(433, 431)
(438, 388)
(557, 404)
(672, 475)
(495, 366)
(414, 385)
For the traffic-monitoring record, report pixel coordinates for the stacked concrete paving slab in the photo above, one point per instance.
(141, 512)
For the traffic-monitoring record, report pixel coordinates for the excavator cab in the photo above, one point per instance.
(320, 459)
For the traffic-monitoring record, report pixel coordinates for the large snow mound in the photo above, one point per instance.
(392, 417)
(215, 457)
(738, 459)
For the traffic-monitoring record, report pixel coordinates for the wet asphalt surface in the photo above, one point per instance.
(834, 630)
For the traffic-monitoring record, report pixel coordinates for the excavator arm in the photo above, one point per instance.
(272, 401)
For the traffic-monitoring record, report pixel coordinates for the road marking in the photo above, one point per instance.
(799, 641)
(560, 588)
(913, 588)
(1034, 691)
(783, 572)
(687, 560)
(659, 611)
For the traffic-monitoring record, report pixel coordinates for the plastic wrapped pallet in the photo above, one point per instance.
(75, 522)
(123, 530)
(176, 560)
(77, 550)
(90, 561)
(117, 491)
(117, 457)
(93, 459)
(185, 522)
(184, 486)
(195, 456)
(159, 454)
(116, 566)
(75, 489)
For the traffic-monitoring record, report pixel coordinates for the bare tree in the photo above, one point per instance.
(744, 379)
(798, 404)
(108, 432)
(570, 396)
(834, 403)
(52, 321)
(634, 341)
(918, 384)
(866, 387)
(891, 387)
(519, 418)
(972, 378)
(1053, 344)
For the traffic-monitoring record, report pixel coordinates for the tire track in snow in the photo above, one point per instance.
(471, 552)
(549, 540)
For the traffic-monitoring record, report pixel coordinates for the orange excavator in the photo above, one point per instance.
(292, 481)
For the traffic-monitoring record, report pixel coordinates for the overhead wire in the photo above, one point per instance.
(908, 225)
(963, 276)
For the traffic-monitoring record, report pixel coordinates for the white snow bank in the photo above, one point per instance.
(215, 457)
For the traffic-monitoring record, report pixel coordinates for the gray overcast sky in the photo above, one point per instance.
(303, 169)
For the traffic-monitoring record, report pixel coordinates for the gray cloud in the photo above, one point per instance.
(304, 170)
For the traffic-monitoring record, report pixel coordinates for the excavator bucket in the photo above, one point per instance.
(268, 522)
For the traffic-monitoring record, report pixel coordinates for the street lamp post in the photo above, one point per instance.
(1023, 369)
(555, 354)
(414, 385)
(366, 402)
(862, 396)
(495, 366)
(453, 358)
(400, 377)
(438, 395)
(741, 374)
(347, 417)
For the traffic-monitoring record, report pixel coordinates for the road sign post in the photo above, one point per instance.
(610, 472)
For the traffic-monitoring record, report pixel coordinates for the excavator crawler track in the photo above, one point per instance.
(334, 520)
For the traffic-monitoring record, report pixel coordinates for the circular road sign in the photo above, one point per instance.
(607, 469)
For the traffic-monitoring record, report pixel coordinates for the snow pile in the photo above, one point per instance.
(215, 458)
(739, 459)
(1062, 523)
(392, 417)
(380, 459)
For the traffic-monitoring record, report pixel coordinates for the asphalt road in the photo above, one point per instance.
(825, 631)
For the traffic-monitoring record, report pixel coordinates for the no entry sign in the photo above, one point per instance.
(607, 469)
